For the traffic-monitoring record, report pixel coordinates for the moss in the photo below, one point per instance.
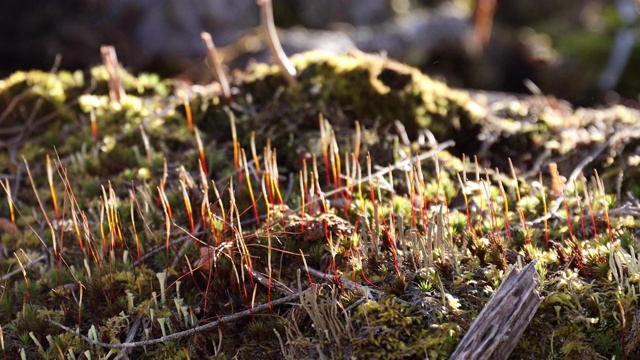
(375, 90)
(143, 84)
(431, 257)
(50, 86)
(390, 330)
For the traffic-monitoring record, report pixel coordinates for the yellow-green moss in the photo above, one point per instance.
(391, 330)
(370, 88)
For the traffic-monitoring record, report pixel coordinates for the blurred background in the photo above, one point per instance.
(584, 51)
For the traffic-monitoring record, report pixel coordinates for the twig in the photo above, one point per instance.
(350, 284)
(27, 265)
(619, 135)
(216, 64)
(368, 292)
(355, 304)
(110, 60)
(264, 281)
(624, 210)
(12, 104)
(587, 160)
(270, 34)
(181, 334)
(624, 136)
(130, 336)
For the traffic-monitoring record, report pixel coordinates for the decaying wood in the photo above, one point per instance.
(496, 331)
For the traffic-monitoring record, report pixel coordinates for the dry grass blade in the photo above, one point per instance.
(271, 36)
(216, 64)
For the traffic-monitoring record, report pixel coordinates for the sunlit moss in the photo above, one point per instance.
(402, 332)
(437, 266)
(373, 88)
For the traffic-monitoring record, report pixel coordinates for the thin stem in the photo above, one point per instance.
(271, 35)
(110, 60)
(180, 334)
(216, 64)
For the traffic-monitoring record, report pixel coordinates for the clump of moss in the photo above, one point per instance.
(392, 330)
(372, 89)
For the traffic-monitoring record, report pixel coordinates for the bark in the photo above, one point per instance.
(496, 331)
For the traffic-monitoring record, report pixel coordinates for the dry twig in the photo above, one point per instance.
(216, 64)
(181, 334)
(110, 60)
(497, 329)
(271, 36)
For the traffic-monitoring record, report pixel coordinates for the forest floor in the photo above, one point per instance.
(366, 211)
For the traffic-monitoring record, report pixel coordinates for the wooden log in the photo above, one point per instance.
(496, 331)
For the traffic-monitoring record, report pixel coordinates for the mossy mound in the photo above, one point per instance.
(124, 236)
(372, 89)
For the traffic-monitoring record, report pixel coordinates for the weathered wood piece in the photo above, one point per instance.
(496, 331)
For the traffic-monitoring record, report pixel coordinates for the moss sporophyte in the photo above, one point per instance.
(330, 217)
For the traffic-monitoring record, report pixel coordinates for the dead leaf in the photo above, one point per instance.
(7, 226)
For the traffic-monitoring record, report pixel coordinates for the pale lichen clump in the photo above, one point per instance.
(43, 110)
(42, 84)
